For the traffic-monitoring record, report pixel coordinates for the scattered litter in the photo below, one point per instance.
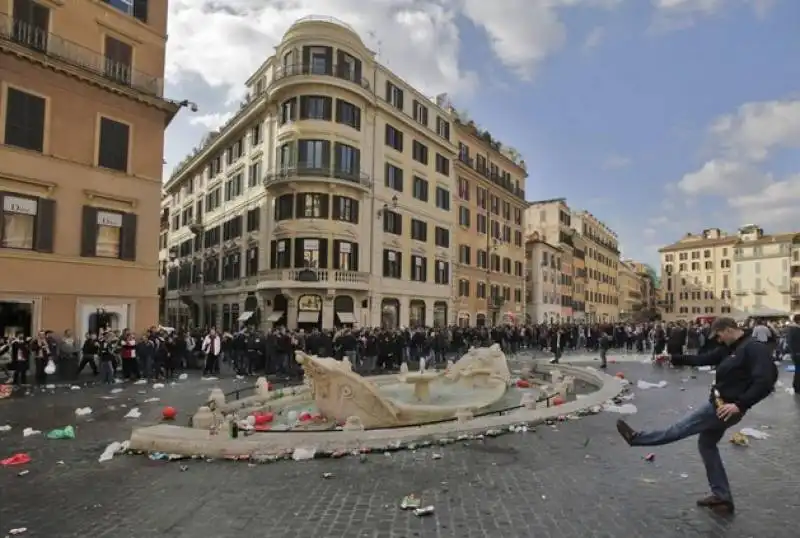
(60, 462)
(426, 511)
(183, 377)
(133, 413)
(74, 387)
(327, 475)
(790, 368)
(169, 413)
(5, 428)
(704, 368)
(27, 432)
(210, 378)
(624, 409)
(650, 457)
(410, 502)
(151, 400)
(437, 456)
(50, 386)
(684, 475)
(739, 439)
(754, 433)
(18, 531)
(17, 459)
(67, 432)
(647, 385)
(302, 454)
(116, 391)
(140, 382)
(23, 473)
(83, 411)
(111, 450)
(158, 385)
(159, 456)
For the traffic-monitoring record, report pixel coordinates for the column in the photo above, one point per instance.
(328, 314)
(291, 314)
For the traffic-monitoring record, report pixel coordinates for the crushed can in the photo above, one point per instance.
(424, 511)
(234, 429)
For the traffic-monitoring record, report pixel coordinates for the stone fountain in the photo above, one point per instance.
(475, 382)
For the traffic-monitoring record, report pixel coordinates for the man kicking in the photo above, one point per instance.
(745, 375)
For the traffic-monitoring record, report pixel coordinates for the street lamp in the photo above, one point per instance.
(492, 244)
(171, 257)
(386, 207)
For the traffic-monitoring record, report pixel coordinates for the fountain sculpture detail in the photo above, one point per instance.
(479, 379)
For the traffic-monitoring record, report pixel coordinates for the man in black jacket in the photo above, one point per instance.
(745, 375)
(793, 343)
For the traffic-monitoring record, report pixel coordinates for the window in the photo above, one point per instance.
(316, 107)
(463, 216)
(348, 114)
(483, 260)
(311, 253)
(234, 187)
(251, 262)
(31, 24)
(419, 269)
(312, 206)
(420, 189)
(253, 219)
(419, 152)
(314, 154)
(213, 199)
(231, 266)
(442, 237)
(345, 255)
(284, 207)
(27, 223)
(394, 138)
(419, 230)
(254, 174)
(442, 198)
(463, 288)
(255, 135)
(318, 60)
(394, 177)
(443, 128)
(232, 228)
(442, 274)
(392, 264)
(442, 165)
(288, 111)
(134, 8)
(464, 254)
(394, 95)
(345, 209)
(463, 189)
(114, 144)
(118, 60)
(280, 254)
(25, 118)
(481, 224)
(420, 113)
(348, 67)
(347, 161)
(108, 234)
(392, 222)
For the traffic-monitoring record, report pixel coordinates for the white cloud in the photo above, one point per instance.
(615, 162)
(745, 141)
(649, 233)
(224, 41)
(211, 121)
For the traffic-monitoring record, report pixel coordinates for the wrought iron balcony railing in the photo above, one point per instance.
(56, 47)
(340, 71)
(312, 171)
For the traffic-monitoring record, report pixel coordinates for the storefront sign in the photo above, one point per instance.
(309, 303)
(105, 218)
(20, 206)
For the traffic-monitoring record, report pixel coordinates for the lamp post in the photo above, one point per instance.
(378, 215)
(197, 231)
(492, 244)
(171, 257)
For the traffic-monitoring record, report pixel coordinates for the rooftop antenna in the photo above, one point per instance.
(378, 43)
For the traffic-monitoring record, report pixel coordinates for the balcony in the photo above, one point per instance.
(310, 172)
(340, 72)
(48, 46)
(497, 179)
(759, 291)
(740, 292)
(313, 278)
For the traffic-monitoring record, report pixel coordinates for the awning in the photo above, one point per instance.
(346, 317)
(244, 316)
(275, 316)
(308, 317)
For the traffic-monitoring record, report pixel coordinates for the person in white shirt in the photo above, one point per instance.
(761, 332)
(212, 347)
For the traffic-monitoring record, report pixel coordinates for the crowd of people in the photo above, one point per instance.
(161, 353)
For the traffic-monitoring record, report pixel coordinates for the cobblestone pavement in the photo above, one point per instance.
(574, 480)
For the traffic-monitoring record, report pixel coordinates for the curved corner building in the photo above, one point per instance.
(327, 200)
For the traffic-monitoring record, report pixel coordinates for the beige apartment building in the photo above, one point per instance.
(602, 265)
(763, 272)
(490, 205)
(630, 289)
(327, 200)
(697, 276)
(545, 262)
(82, 119)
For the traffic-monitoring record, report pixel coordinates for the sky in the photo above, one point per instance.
(660, 117)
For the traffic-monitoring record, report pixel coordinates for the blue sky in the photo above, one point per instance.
(660, 117)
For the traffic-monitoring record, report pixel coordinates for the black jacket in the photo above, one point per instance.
(745, 371)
